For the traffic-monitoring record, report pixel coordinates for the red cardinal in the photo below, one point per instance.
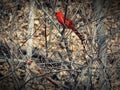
(68, 24)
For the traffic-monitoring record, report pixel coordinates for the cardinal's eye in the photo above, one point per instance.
(55, 14)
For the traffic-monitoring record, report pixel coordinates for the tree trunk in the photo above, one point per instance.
(101, 42)
(30, 38)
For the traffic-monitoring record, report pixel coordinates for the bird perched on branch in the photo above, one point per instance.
(32, 66)
(68, 23)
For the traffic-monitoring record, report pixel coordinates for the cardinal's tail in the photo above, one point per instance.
(80, 35)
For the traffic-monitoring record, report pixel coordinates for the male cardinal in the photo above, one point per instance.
(37, 70)
(68, 23)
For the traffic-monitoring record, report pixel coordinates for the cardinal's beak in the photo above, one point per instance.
(29, 62)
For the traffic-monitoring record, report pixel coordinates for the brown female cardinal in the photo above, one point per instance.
(32, 66)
